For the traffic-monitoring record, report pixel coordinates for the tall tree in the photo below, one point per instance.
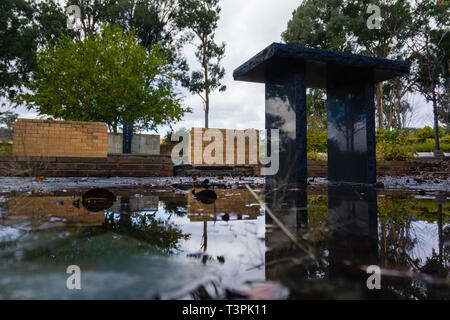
(201, 17)
(26, 26)
(432, 53)
(153, 21)
(342, 26)
(17, 45)
(106, 77)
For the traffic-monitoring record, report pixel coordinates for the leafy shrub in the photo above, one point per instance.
(427, 133)
(317, 140)
(392, 145)
(5, 149)
(445, 140)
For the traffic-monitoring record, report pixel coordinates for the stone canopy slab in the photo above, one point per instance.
(278, 58)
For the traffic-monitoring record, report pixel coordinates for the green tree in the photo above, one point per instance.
(432, 53)
(342, 26)
(8, 118)
(155, 22)
(106, 77)
(201, 17)
(26, 26)
(17, 45)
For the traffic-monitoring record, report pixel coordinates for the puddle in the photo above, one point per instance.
(159, 243)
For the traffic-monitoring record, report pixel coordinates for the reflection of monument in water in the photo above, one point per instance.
(349, 237)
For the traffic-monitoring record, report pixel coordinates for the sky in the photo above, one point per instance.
(246, 27)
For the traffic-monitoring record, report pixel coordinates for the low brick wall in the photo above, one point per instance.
(112, 166)
(161, 165)
(50, 138)
(390, 168)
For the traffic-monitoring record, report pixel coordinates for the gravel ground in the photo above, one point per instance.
(8, 184)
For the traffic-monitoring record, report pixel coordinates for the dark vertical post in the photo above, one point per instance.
(127, 137)
(286, 111)
(351, 125)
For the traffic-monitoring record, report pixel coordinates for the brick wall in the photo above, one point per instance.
(52, 138)
(112, 166)
(198, 149)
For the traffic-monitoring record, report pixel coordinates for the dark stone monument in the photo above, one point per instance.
(127, 137)
(349, 79)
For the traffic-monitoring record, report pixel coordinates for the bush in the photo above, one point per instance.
(445, 140)
(427, 133)
(317, 140)
(5, 149)
(392, 145)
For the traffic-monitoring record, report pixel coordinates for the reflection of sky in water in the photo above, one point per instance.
(427, 239)
(239, 241)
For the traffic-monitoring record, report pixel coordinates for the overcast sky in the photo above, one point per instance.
(247, 27)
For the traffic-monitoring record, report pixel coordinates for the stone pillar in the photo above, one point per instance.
(286, 111)
(351, 125)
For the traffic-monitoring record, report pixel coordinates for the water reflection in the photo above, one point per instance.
(345, 229)
(352, 229)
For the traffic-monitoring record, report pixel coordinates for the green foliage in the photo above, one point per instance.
(5, 149)
(392, 145)
(106, 77)
(445, 140)
(427, 133)
(167, 140)
(26, 25)
(429, 147)
(319, 24)
(8, 118)
(17, 45)
(317, 140)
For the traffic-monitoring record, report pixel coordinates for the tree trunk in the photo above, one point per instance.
(205, 68)
(379, 96)
(436, 125)
(207, 110)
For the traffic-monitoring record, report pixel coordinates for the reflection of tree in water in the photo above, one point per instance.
(347, 122)
(175, 204)
(146, 227)
(399, 238)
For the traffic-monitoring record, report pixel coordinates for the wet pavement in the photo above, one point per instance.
(160, 240)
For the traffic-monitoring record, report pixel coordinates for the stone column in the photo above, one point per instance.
(286, 111)
(351, 125)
